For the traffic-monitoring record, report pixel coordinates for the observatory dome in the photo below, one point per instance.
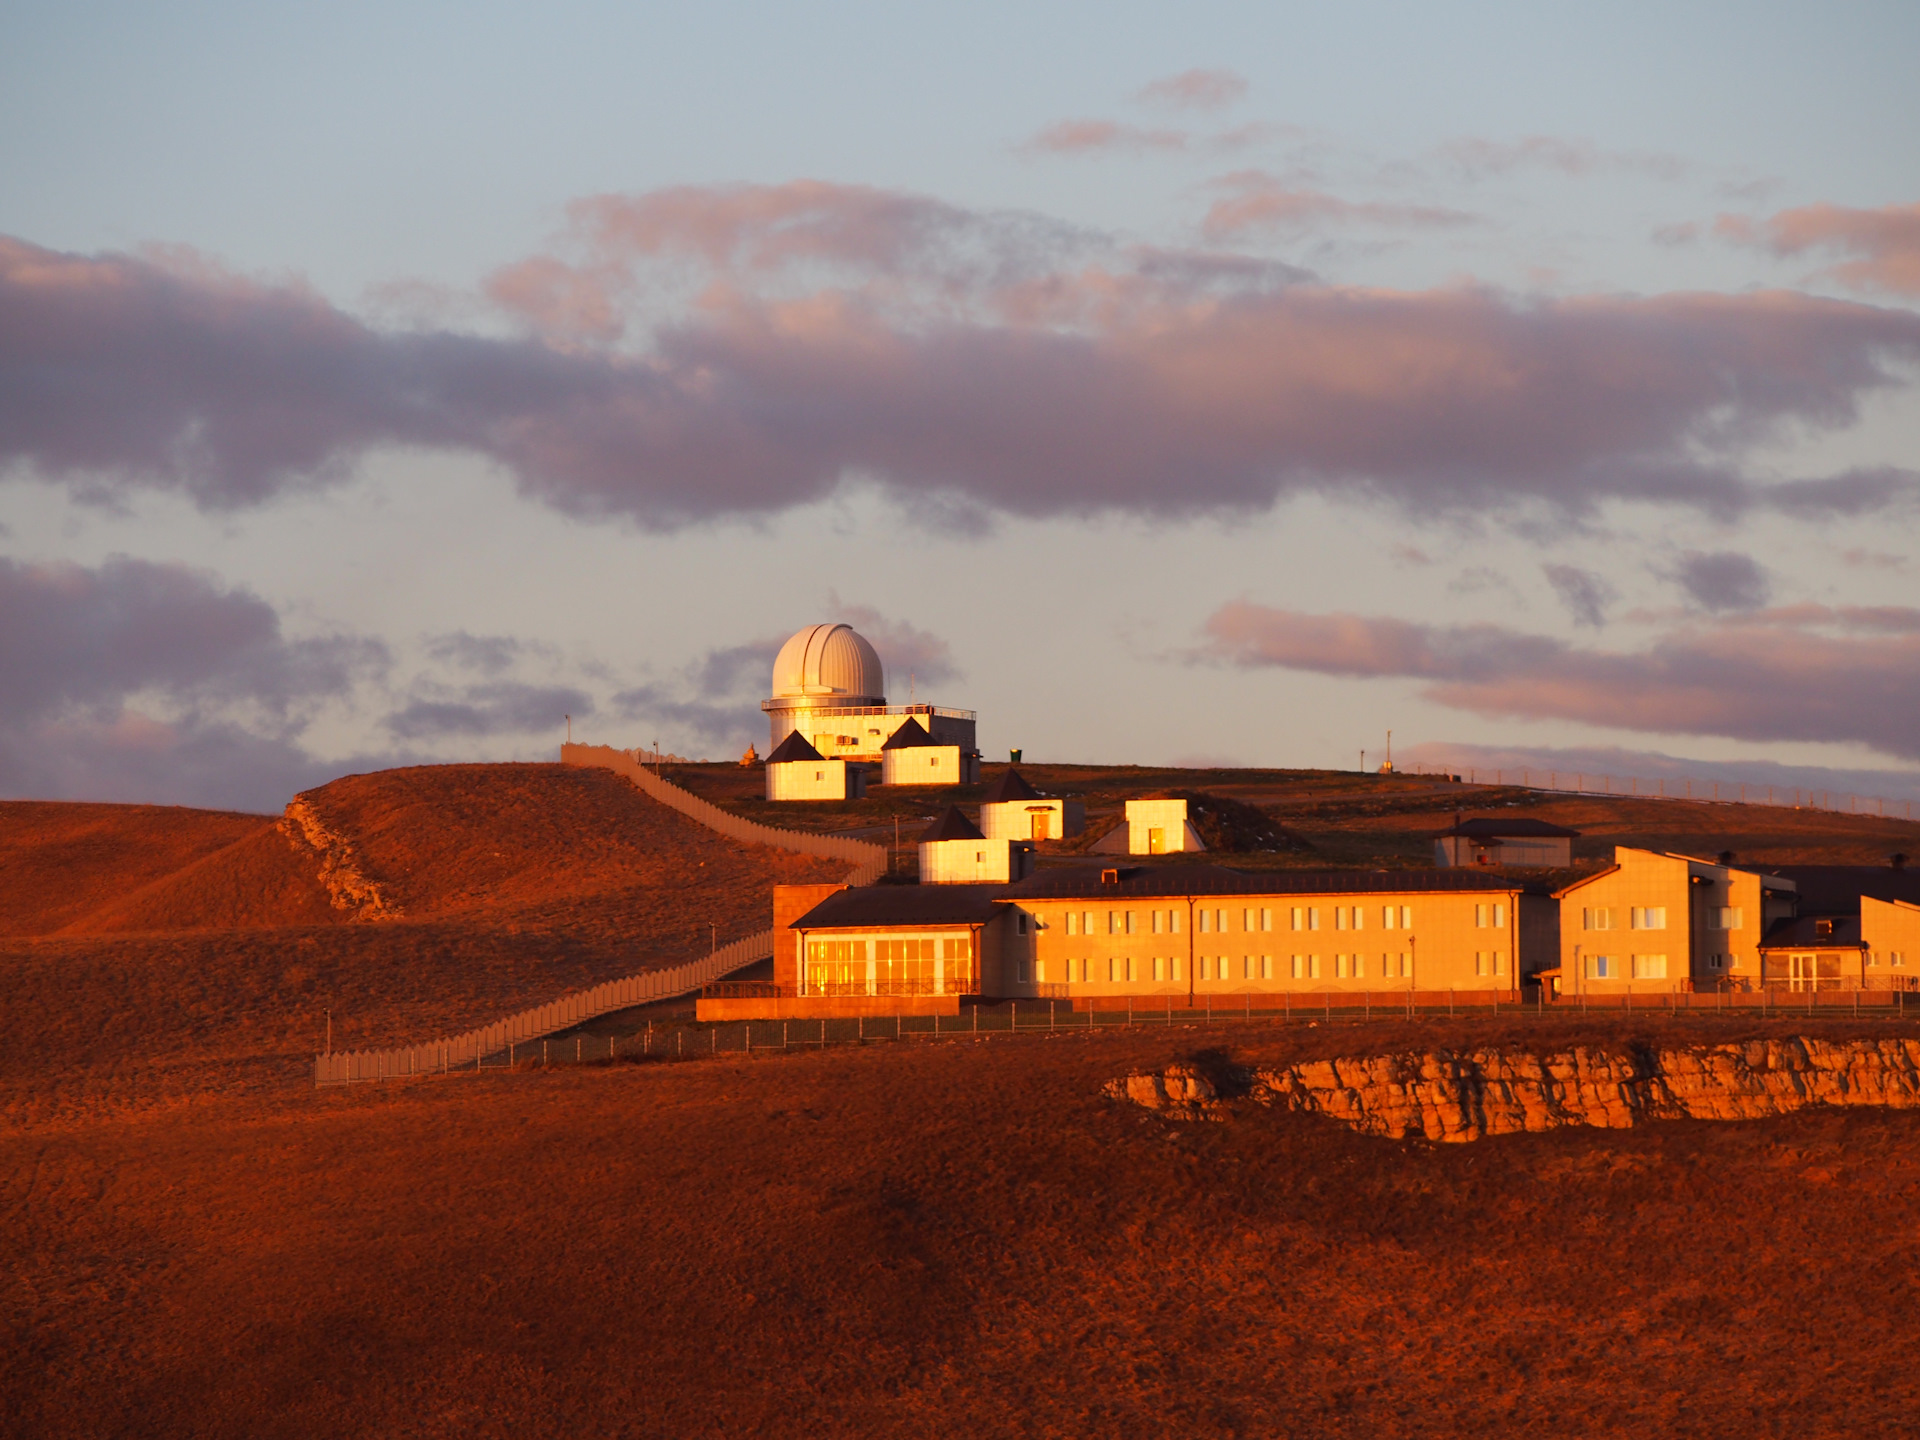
(829, 663)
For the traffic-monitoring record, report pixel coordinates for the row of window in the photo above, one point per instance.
(1221, 920)
(1640, 967)
(848, 952)
(1895, 958)
(1120, 969)
(1654, 917)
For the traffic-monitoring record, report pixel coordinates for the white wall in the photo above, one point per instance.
(1013, 819)
(971, 862)
(815, 780)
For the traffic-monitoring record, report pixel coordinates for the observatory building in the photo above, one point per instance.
(829, 687)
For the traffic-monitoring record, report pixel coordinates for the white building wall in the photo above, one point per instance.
(928, 765)
(974, 862)
(1169, 818)
(1014, 819)
(815, 780)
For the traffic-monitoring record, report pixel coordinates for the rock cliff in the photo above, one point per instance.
(1455, 1096)
(347, 888)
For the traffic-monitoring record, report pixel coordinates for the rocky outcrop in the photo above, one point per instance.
(347, 888)
(1452, 1096)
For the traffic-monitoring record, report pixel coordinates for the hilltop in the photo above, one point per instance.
(1343, 818)
(406, 901)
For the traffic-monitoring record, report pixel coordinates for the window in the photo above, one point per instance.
(1395, 966)
(1339, 961)
(1113, 971)
(1898, 958)
(1647, 917)
(1725, 917)
(1257, 920)
(1020, 922)
(1022, 968)
(1083, 968)
(1156, 968)
(1596, 919)
(1396, 917)
(1206, 922)
(1649, 967)
(1339, 917)
(1482, 962)
(1130, 970)
(1133, 924)
(1173, 968)
(1073, 922)
(957, 949)
(1313, 917)
(1266, 967)
(1113, 922)
(1173, 921)
(1157, 917)
(1359, 917)
(1603, 967)
(1299, 918)
(1299, 967)
(1490, 917)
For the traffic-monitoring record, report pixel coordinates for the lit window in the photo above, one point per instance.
(1266, 919)
(1359, 918)
(1596, 919)
(1073, 922)
(1130, 974)
(1206, 922)
(1173, 968)
(1339, 917)
(1299, 918)
(1299, 967)
(1156, 927)
(1266, 967)
(1648, 917)
(1156, 968)
(1649, 967)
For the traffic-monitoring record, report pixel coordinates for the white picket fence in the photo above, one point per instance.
(466, 1051)
(869, 861)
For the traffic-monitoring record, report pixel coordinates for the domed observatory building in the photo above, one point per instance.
(829, 688)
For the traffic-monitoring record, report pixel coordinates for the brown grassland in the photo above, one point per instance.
(900, 1239)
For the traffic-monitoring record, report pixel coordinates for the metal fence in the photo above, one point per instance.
(869, 861)
(471, 1049)
(1711, 792)
(1030, 1019)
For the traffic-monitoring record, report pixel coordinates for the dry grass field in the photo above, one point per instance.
(912, 1239)
(925, 1240)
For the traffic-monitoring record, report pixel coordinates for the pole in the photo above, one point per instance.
(329, 1030)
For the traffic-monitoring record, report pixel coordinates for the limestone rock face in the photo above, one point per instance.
(1454, 1096)
(339, 866)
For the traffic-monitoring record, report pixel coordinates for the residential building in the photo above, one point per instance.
(1153, 827)
(1890, 930)
(1656, 922)
(1814, 952)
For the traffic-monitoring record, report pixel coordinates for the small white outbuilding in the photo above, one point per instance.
(913, 757)
(1014, 810)
(954, 852)
(797, 771)
(1154, 827)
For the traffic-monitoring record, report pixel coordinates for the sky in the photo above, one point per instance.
(1198, 385)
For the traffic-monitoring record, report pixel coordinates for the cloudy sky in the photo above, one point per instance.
(1201, 383)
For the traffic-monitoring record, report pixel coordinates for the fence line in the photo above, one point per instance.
(473, 1046)
(1708, 792)
(869, 861)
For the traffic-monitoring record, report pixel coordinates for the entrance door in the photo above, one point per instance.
(1801, 972)
(1156, 840)
(1040, 818)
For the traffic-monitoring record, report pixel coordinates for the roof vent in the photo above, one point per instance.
(1898, 860)
(1109, 877)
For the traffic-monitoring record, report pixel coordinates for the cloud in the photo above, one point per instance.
(1090, 137)
(1261, 202)
(1885, 243)
(503, 707)
(1585, 594)
(1196, 90)
(1723, 580)
(959, 364)
(1478, 159)
(488, 654)
(1596, 765)
(906, 650)
(139, 681)
(1785, 681)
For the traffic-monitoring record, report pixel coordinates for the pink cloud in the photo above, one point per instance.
(1885, 243)
(1260, 202)
(1196, 89)
(949, 357)
(1744, 681)
(1085, 137)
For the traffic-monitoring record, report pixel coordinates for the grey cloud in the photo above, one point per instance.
(487, 654)
(907, 651)
(1744, 681)
(1723, 580)
(496, 708)
(139, 681)
(1585, 594)
(1064, 393)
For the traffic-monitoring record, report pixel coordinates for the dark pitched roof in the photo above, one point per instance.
(908, 737)
(1179, 881)
(1836, 889)
(1010, 786)
(1488, 828)
(871, 905)
(794, 747)
(1804, 933)
(952, 825)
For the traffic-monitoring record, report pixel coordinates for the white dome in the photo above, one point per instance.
(831, 663)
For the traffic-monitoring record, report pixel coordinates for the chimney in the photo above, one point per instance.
(1726, 857)
(1898, 860)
